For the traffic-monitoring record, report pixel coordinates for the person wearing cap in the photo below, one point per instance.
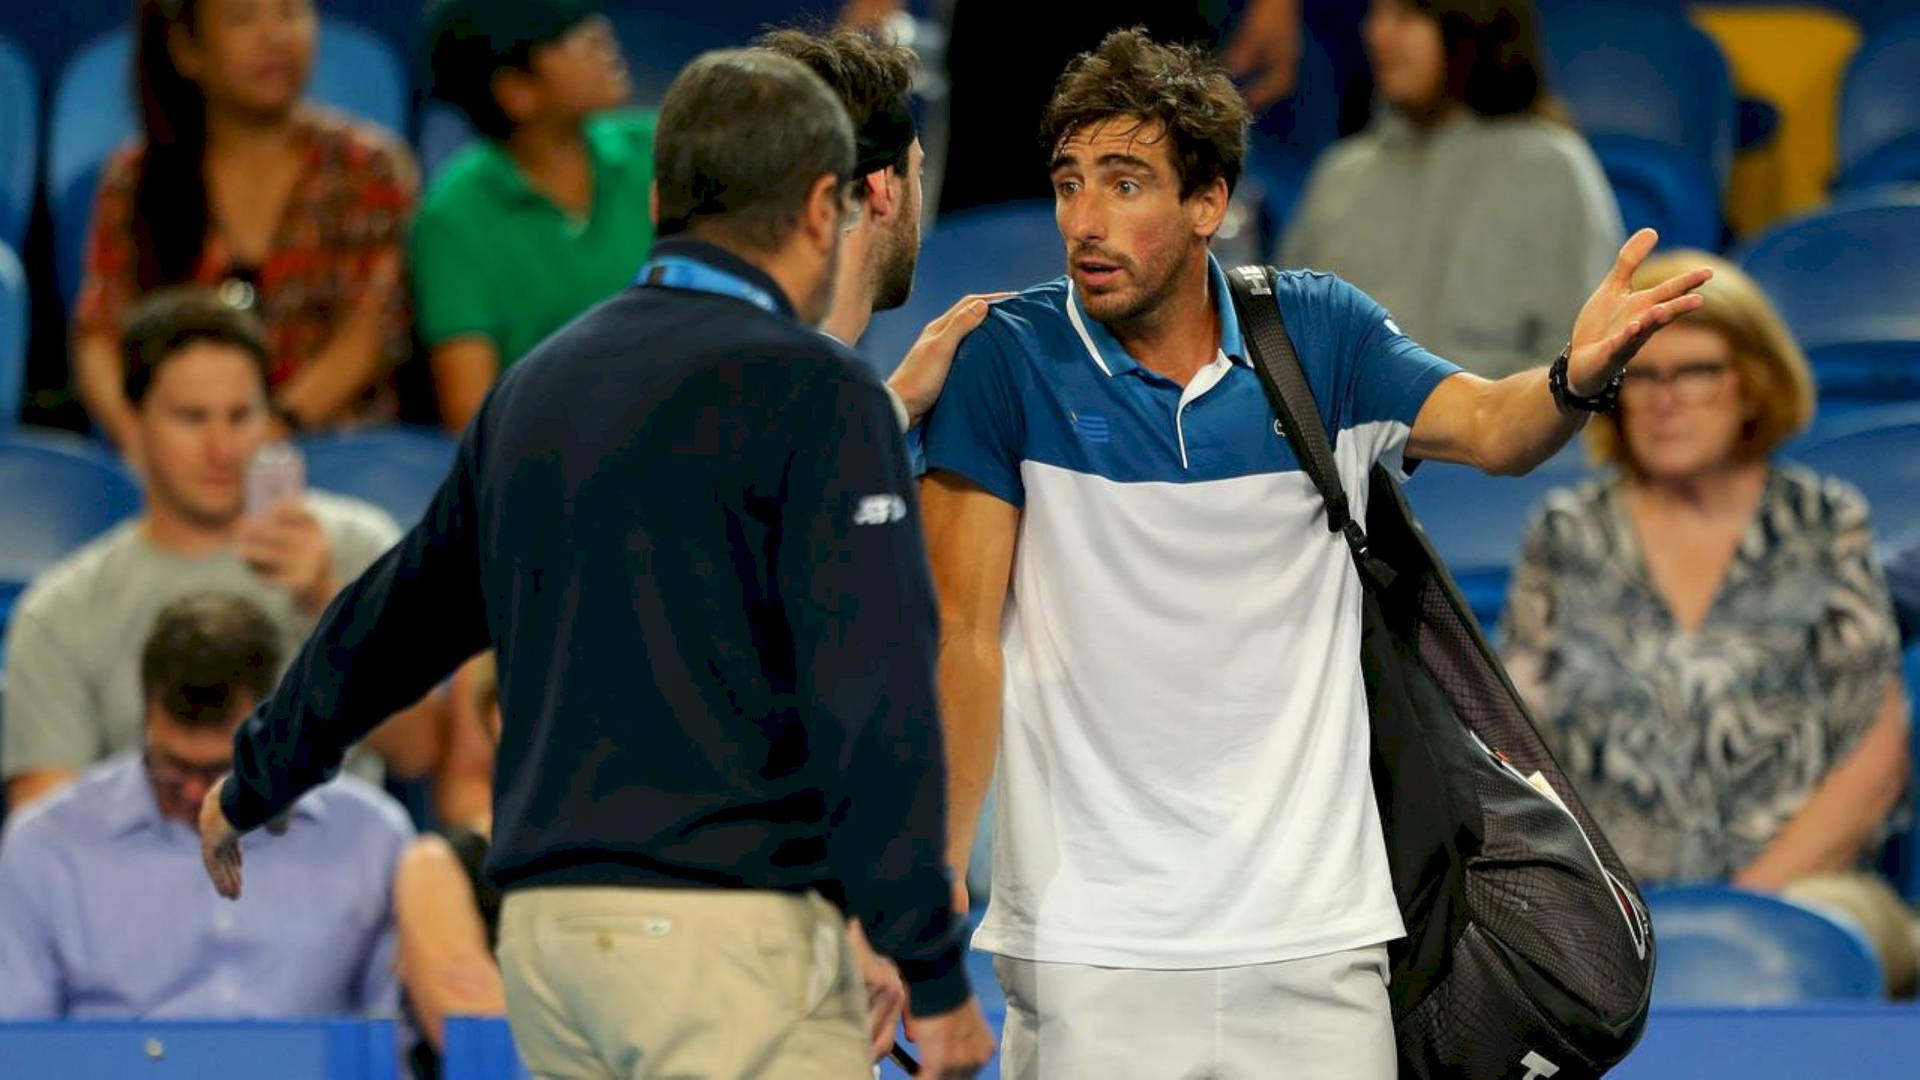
(546, 214)
(687, 526)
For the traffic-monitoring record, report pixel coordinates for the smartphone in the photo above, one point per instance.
(277, 474)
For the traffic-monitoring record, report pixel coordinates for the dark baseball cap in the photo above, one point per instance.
(465, 37)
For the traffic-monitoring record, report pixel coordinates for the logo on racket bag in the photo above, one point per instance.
(1538, 1068)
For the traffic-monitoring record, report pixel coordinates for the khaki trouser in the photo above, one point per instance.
(629, 983)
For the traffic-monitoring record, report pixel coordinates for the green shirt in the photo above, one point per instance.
(496, 259)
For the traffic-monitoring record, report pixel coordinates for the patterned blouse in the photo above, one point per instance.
(1695, 749)
(351, 206)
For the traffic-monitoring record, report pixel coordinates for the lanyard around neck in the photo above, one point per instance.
(676, 272)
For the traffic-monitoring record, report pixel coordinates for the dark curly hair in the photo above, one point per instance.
(1180, 88)
(870, 75)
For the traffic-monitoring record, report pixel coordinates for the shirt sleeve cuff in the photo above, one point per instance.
(900, 412)
(244, 808)
(939, 985)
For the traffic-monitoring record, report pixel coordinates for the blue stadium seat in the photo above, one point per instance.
(1776, 1043)
(998, 249)
(50, 33)
(1842, 278)
(480, 1048)
(1476, 522)
(659, 38)
(195, 1049)
(1287, 138)
(19, 141)
(1724, 946)
(396, 469)
(15, 312)
(444, 131)
(1900, 860)
(354, 70)
(1877, 451)
(1880, 108)
(1653, 94)
(1657, 187)
(55, 495)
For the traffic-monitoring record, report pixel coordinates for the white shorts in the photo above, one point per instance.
(1321, 1018)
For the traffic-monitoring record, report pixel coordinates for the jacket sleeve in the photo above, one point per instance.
(855, 587)
(385, 641)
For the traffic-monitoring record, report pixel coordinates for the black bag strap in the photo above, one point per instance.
(1286, 384)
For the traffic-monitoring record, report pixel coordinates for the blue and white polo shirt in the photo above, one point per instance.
(1184, 756)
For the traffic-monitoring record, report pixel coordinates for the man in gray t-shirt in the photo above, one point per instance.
(196, 377)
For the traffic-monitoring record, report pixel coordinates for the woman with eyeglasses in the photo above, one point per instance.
(1704, 636)
(237, 182)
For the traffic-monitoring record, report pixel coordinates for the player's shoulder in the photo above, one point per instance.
(1034, 322)
(1314, 286)
(1323, 303)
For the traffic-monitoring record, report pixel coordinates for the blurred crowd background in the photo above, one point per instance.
(224, 223)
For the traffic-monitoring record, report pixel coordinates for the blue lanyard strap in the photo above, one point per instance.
(677, 272)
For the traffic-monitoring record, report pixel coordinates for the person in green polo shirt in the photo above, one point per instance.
(548, 213)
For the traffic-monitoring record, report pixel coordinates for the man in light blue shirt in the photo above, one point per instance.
(104, 908)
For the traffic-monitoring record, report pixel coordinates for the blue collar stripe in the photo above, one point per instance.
(1112, 356)
(676, 272)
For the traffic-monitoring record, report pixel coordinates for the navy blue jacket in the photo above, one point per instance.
(688, 527)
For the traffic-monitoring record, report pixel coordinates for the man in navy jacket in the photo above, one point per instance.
(687, 526)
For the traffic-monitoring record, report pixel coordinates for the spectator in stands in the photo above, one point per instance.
(1705, 637)
(546, 215)
(196, 381)
(238, 182)
(1469, 208)
(447, 912)
(104, 908)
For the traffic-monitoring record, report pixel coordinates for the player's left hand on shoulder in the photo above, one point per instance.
(1618, 319)
(923, 373)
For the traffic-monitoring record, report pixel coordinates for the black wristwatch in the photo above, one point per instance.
(1569, 402)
